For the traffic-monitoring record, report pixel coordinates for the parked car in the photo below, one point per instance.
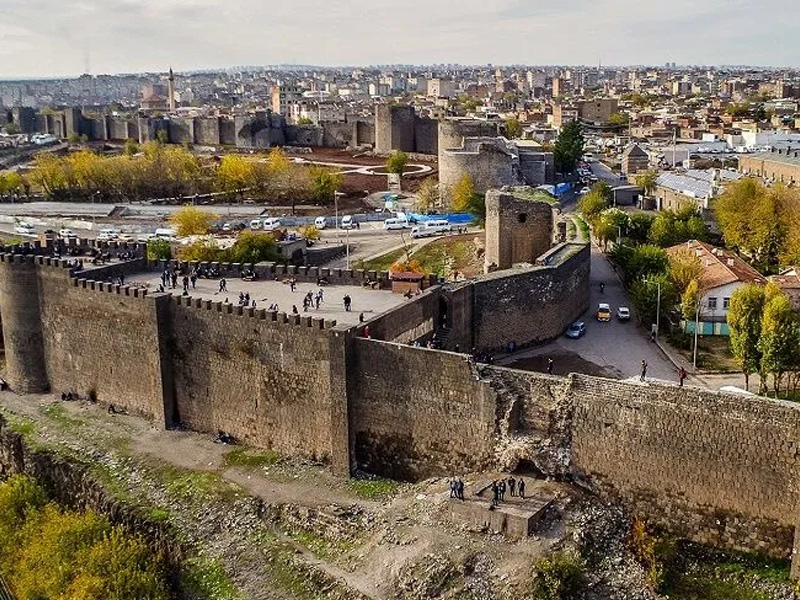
(623, 313)
(66, 234)
(576, 330)
(271, 224)
(24, 229)
(603, 312)
(347, 222)
(320, 222)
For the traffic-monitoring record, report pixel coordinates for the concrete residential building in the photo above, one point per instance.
(598, 110)
(441, 88)
(789, 281)
(723, 273)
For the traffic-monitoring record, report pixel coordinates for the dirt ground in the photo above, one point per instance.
(393, 539)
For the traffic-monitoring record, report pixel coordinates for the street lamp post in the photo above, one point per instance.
(336, 195)
(658, 304)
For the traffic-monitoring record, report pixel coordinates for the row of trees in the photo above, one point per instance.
(668, 228)
(765, 335)
(760, 222)
(157, 170)
(249, 247)
(47, 552)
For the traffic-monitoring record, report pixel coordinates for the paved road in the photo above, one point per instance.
(614, 349)
(603, 173)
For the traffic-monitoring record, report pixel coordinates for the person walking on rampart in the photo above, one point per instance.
(549, 366)
(347, 303)
(644, 370)
(193, 279)
(174, 279)
(223, 285)
(185, 283)
(681, 376)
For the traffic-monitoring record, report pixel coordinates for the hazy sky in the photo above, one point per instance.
(54, 37)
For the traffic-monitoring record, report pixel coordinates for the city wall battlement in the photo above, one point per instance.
(715, 468)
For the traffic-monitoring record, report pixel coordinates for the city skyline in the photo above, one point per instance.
(44, 39)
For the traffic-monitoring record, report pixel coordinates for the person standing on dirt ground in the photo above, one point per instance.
(644, 370)
(681, 376)
(495, 494)
(453, 488)
(502, 490)
(521, 488)
(460, 489)
(549, 366)
(511, 484)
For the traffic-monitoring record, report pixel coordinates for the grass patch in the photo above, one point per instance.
(382, 262)
(584, 228)
(248, 458)
(695, 572)
(207, 579)
(373, 489)
(58, 414)
(24, 427)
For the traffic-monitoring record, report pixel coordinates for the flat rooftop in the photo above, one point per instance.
(364, 300)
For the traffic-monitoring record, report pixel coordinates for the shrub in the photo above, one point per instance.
(46, 552)
(158, 250)
(558, 577)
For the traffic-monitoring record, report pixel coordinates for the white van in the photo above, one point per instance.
(320, 222)
(166, 234)
(271, 224)
(255, 224)
(347, 222)
(395, 224)
(431, 228)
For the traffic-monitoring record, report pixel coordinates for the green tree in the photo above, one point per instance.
(670, 228)
(190, 220)
(568, 147)
(647, 181)
(162, 137)
(158, 250)
(591, 206)
(463, 194)
(604, 190)
(639, 227)
(251, 247)
(618, 119)
(73, 138)
(753, 220)
(324, 183)
(644, 294)
(646, 261)
(779, 342)
(745, 315)
(397, 161)
(513, 128)
(428, 195)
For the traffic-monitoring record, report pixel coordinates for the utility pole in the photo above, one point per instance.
(696, 328)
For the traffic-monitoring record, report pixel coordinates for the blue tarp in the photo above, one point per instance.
(562, 188)
(452, 218)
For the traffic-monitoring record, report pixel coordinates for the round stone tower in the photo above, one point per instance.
(22, 326)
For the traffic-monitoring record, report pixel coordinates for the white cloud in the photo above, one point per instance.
(49, 37)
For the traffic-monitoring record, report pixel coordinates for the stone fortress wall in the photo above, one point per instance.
(715, 468)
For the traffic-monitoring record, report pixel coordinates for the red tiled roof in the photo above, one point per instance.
(720, 266)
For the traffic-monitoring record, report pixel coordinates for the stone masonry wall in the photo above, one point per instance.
(416, 412)
(101, 339)
(416, 318)
(265, 381)
(719, 469)
(531, 305)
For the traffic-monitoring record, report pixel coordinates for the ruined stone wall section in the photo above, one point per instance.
(416, 412)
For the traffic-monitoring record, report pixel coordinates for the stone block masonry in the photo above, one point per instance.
(718, 469)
